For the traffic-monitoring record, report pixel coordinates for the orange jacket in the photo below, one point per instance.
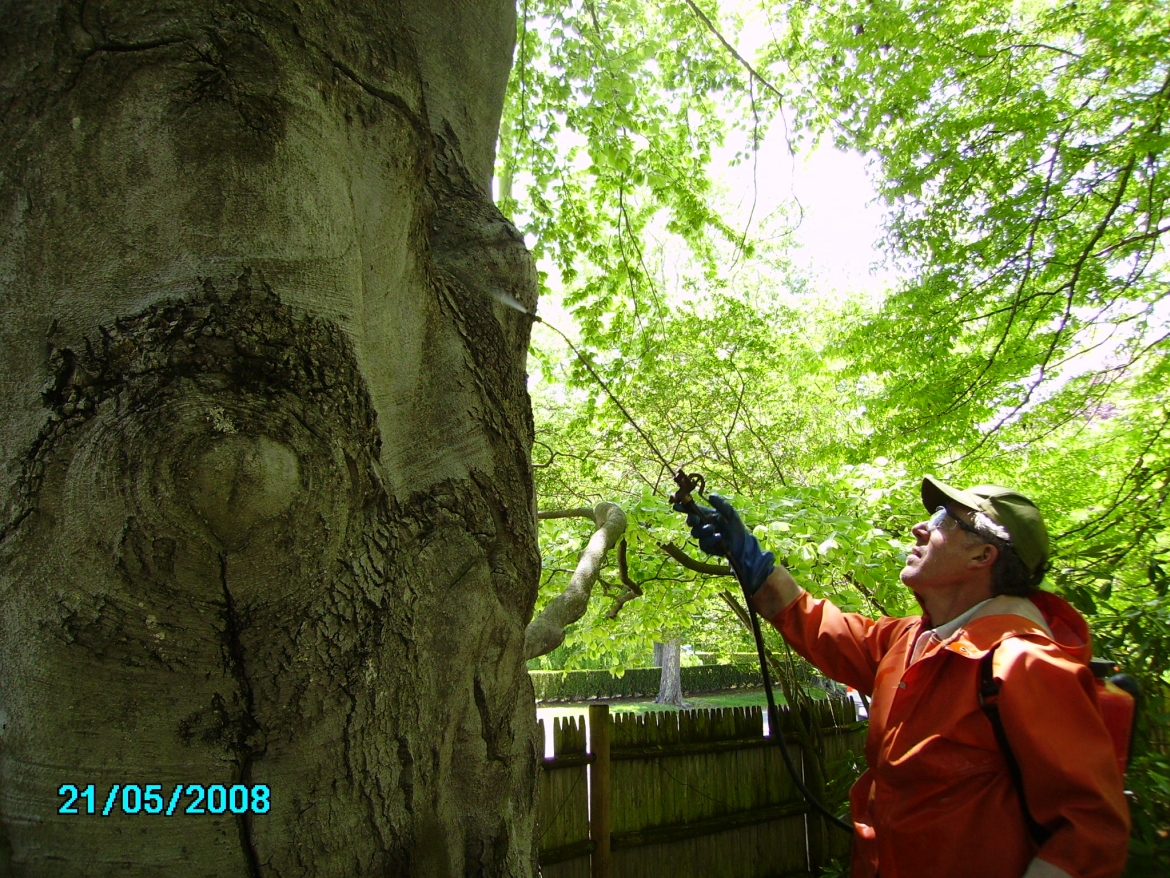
(937, 799)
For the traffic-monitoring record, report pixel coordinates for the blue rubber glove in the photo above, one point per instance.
(721, 532)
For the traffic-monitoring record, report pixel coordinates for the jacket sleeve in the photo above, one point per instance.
(1048, 703)
(845, 647)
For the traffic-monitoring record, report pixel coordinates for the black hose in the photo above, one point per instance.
(774, 714)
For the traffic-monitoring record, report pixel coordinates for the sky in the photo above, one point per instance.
(837, 237)
(841, 225)
(840, 229)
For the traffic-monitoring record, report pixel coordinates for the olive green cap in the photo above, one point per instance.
(1010, 509)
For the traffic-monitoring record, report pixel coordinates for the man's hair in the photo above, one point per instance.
(1009, 574)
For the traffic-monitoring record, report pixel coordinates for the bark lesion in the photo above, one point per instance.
(96, 624)
(247, 738)
(391, 99)
(474, 250)
(90, 32)
(232, 100)
(492, 730)
(246, 340)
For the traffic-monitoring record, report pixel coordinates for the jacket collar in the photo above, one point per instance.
(1009, 605)
(1002, 617)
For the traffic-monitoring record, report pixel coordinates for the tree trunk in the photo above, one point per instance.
(268, 501)
(668, 656)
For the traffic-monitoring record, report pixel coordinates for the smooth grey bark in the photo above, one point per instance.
(268, 513)
(668, 656)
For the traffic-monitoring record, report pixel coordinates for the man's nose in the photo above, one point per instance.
(921, 531)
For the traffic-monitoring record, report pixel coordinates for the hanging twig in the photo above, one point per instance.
(755, 74)
(633, 589)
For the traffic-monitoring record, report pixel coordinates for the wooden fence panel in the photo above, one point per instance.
(562, 815)
(692, 793)
(762, 850)
(705, 791)
(684, 767)
(575, 868)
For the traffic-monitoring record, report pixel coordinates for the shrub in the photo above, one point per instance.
(637, 682)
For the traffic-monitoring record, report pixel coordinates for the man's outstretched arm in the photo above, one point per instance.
(778, 591)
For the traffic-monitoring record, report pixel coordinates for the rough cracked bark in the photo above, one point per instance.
(547, 631)
(268, 515)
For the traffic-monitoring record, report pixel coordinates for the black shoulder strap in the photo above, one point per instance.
(988, 700)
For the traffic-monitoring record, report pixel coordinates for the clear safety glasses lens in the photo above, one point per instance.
(939, 519)
(947, 520)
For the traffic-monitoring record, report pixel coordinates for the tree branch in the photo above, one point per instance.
(869, 595)
(691, 564)
(633, 589)
(547, 631)
(734, 53)
(1071, 286)
(579, 512)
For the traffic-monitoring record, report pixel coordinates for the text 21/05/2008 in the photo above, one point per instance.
(167, 799)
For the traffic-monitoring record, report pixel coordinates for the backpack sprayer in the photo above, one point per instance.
(688, 485)
(1118, 699)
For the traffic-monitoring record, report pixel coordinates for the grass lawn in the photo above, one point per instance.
(742, 698)
(746, 698)
(739, 698)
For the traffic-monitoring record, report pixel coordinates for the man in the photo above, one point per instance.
(938, 798)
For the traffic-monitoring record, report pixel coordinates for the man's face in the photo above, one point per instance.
(942, 555)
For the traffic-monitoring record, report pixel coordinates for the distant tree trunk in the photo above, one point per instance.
(268, 507)
(668, 656)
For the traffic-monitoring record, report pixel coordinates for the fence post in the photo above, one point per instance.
(599, 790)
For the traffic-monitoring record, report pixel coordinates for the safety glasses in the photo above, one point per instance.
(942, 518)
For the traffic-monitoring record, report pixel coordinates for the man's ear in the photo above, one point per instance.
(985, 557)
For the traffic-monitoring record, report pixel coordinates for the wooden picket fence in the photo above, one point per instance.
(687, 793)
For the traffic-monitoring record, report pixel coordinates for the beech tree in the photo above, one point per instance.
(269, 513)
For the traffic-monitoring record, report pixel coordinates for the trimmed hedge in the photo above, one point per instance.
(638, 682)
